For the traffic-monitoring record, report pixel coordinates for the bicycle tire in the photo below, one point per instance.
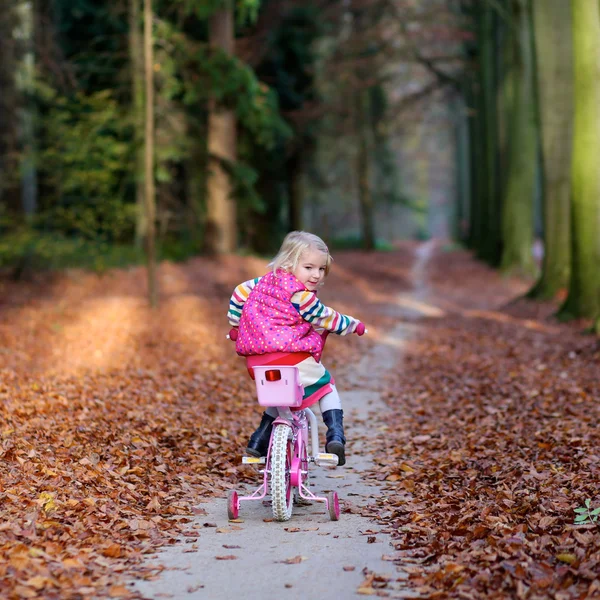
(232, 505)
(282, 498)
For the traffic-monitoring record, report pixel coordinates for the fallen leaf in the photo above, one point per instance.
(567, 557)
(119, 591)
(294, 560)
(114, 551)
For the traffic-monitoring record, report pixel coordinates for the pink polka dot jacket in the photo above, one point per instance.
(270, 323)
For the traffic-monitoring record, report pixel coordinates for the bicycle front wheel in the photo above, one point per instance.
(282, 498)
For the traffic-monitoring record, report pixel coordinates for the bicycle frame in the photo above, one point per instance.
(299, 469)
(302, 428)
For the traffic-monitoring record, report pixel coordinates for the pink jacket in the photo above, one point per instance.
(270, 323)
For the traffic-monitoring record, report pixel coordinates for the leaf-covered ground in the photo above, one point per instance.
(115, 421)
(493, 444)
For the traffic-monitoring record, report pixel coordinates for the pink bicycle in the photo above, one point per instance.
(286, 471)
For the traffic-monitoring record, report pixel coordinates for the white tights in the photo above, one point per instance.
(327, 402)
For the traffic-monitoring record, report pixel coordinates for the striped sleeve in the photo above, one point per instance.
(237, 300)
(315, 312)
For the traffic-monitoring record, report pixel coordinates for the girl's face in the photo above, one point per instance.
(311, 268)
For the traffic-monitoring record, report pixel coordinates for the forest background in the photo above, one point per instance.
(133, 132)
(365, 121)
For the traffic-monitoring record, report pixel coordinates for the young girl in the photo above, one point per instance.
(279, 316)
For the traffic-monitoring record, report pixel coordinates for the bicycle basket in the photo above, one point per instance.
(278, 386)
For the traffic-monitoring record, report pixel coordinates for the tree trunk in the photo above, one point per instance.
(460, 217)
(584, 290)
(518, 208)
(10, 196)
(149, 191)
(477, 176)
(489, 243)
(475, 127)
(363, 172)
(29, 186)
(136, 58)
(553, 38)
(221, 226)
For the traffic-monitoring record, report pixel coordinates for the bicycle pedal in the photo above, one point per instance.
(326, 458)
(252, 460)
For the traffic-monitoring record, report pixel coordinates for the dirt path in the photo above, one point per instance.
(336, 558)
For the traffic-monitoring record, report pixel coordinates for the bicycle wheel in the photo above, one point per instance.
(282, 499)
(232, 504)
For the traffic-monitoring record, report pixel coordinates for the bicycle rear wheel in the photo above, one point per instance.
(282, 498)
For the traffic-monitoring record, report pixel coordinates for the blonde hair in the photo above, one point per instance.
(293, 247)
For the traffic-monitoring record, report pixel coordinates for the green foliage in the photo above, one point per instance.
(247, 10)
(172, 141)
(92, 36)
(586, 514)
(28, 249)
(86, 162)
(288, 67)
(244, 186)
(228, 81)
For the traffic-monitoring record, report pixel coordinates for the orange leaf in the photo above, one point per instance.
(119, 591)
(113, 551)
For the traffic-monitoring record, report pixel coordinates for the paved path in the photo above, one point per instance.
(335, 557)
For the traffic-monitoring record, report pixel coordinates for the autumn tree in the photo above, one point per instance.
(518, 200)
(221, 226)
(486, 231)
(554, 60)
(136, 62)
(149, 193)
(584, 291)
(9, 182)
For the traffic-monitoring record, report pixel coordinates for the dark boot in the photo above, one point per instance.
(259, 440)
(336, 441)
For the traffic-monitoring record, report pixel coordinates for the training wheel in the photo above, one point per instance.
(232, 504)
(333, 503)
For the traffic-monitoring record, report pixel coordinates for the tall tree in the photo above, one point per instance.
(29, 192)
(9, 181)
(221, 226)
(149, 190)
(554, 60)
(136, 62)
(489, 238)
(584, 291)
(518, 205)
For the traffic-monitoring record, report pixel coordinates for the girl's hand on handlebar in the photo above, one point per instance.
(360, 329)
(233, 334)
